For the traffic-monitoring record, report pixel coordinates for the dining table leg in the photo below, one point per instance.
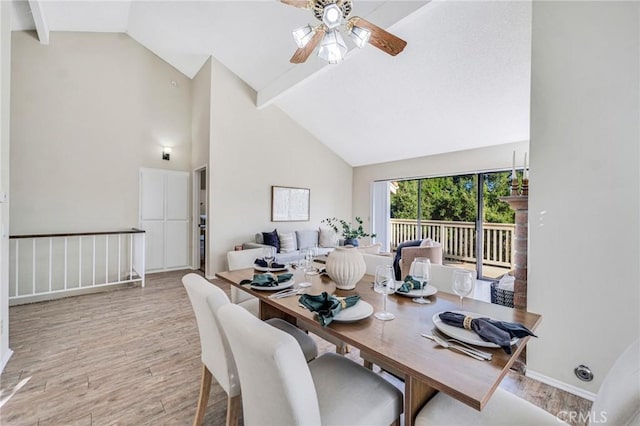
(416, 394)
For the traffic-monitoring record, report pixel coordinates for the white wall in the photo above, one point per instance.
(253, 149)
(5, 89)
(584, 205)
(496, 157)
(88, 111)
(200, 141)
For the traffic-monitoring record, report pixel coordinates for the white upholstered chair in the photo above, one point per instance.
(279, 388)
(441, 277)
(217, 360)
(618, 401)
(242, 259)
(372, 261)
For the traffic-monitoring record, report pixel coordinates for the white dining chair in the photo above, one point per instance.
(217, 360)
(372, 261)
(618, 401)
(242, 259)
(279, 388)
(441, 277)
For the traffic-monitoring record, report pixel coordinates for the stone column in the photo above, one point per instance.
(520, 203)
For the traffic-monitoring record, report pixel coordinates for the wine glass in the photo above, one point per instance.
(385, 284)
(269, 255)
(462, 282)
(421, 271)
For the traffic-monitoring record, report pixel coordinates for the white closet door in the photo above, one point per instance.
(164, 215)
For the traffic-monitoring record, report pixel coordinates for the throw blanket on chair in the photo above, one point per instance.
(396, 260)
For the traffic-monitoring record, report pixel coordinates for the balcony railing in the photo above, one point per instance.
(46, 266)
(459, 239)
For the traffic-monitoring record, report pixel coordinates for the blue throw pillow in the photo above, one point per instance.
(271, 239)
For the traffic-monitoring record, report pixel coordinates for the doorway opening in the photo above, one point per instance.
(200, 219)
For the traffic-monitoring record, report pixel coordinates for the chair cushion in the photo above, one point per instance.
(372, 400)
(503, 409)
(308, 346)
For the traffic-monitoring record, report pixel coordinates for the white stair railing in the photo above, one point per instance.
(44, 266)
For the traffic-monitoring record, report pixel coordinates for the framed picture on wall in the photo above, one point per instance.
(289, 204)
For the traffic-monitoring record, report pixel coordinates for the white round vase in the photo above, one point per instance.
(345, 266)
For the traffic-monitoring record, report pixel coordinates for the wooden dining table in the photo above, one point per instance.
(397, 345)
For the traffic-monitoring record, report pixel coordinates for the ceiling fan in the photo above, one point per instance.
(334, 16)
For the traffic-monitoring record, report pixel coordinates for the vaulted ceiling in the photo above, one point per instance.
(462, 81)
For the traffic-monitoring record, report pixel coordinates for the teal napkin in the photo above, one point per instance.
(326, 306)
(410, 284)
(267, 280)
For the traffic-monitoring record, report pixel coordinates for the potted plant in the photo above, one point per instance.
(350, 233)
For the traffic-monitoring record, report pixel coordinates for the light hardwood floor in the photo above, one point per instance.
(132, 357)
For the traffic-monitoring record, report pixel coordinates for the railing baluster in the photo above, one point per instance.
(33, 267)
(50, 261)
(80, 262)
(17, 267)
(106, 261)
(119, 256)
(65, 262)
(93, 256)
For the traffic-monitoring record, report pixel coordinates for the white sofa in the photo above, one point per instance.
(306, 238)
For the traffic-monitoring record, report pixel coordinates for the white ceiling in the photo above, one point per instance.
(462, 81)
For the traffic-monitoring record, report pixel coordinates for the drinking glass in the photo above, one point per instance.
(421, 271)
(269, 255)
(309, 273)
(385, 284)
(462, 282)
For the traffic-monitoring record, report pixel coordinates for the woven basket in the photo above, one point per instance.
(500, 296)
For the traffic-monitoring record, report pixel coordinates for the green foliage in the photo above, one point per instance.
(453, 198)
(348, 230)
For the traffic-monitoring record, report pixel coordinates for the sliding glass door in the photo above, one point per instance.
(463, 213)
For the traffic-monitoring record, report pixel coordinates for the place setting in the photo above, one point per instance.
(268, 263)
(269, 281)
(416, 284)
(329, 308)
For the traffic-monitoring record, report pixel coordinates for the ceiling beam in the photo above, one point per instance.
(40, 20)
(385, 16)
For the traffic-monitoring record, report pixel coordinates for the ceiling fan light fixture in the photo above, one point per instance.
(332, 16)
(303, 35)
(332, 48)
(360, 36)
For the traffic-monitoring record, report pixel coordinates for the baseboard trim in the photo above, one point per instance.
(561, 385)
(5, 360)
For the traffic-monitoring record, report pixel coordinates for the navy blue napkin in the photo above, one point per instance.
(499, 332)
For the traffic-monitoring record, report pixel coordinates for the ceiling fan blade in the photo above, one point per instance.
(303, 4)
(303, 53)
(380, 38)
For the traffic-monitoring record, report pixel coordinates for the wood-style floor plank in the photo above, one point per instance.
(132, 357)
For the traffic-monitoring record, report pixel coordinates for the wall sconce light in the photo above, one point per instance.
(166, 153)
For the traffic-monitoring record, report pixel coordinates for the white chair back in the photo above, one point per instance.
(216, 355)
(277, 385)
(619, 395)
(241, 259)
(441, 277)
(372, 261)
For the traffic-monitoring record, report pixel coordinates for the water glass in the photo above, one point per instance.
(269, 255)
(385, 284)
(462, 282)
(421, 271)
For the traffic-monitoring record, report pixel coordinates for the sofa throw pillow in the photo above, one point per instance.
(328, 238)
(271, 239)
(307, 239)
(287, 242)
(427, 242)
